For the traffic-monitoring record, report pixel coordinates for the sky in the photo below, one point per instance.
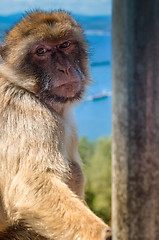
(84, 7)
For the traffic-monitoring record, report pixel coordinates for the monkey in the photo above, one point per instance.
(44, 72)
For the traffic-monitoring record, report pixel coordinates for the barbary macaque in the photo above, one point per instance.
(43, 72)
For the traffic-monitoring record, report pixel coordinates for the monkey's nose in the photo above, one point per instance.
(65, 70)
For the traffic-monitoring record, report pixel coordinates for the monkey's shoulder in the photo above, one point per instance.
(22, 109)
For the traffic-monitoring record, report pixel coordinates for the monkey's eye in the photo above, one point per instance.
(65, 44)
(41, 51)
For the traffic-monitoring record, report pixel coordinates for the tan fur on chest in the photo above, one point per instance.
(76, 180)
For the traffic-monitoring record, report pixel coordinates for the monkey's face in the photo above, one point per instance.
(49, 51)
(56, 65)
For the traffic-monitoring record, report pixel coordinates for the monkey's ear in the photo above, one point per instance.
(3, 49)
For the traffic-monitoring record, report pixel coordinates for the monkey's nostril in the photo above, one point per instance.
(61, 70)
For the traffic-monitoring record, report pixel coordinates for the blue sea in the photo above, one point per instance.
(94, 118)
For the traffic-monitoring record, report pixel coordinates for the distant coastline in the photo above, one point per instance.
(92, 25)
(102, 63)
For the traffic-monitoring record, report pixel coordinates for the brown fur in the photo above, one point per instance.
(41, 181)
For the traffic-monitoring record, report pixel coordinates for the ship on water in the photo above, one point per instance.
(100, 96)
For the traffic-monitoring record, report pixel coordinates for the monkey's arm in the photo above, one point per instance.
(34, 173)
(47, 205)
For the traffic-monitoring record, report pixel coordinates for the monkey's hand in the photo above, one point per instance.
(44, 203)
(107, 233)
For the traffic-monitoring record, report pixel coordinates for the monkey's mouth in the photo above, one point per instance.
(66, 92)
(68, 89)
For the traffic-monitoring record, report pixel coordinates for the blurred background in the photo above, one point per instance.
(94, 114)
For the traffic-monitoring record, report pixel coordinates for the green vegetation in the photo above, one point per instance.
(97, 168)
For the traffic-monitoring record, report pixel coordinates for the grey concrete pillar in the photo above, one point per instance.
(135, 151)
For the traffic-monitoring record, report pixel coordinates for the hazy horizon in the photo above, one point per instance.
(82, 7)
